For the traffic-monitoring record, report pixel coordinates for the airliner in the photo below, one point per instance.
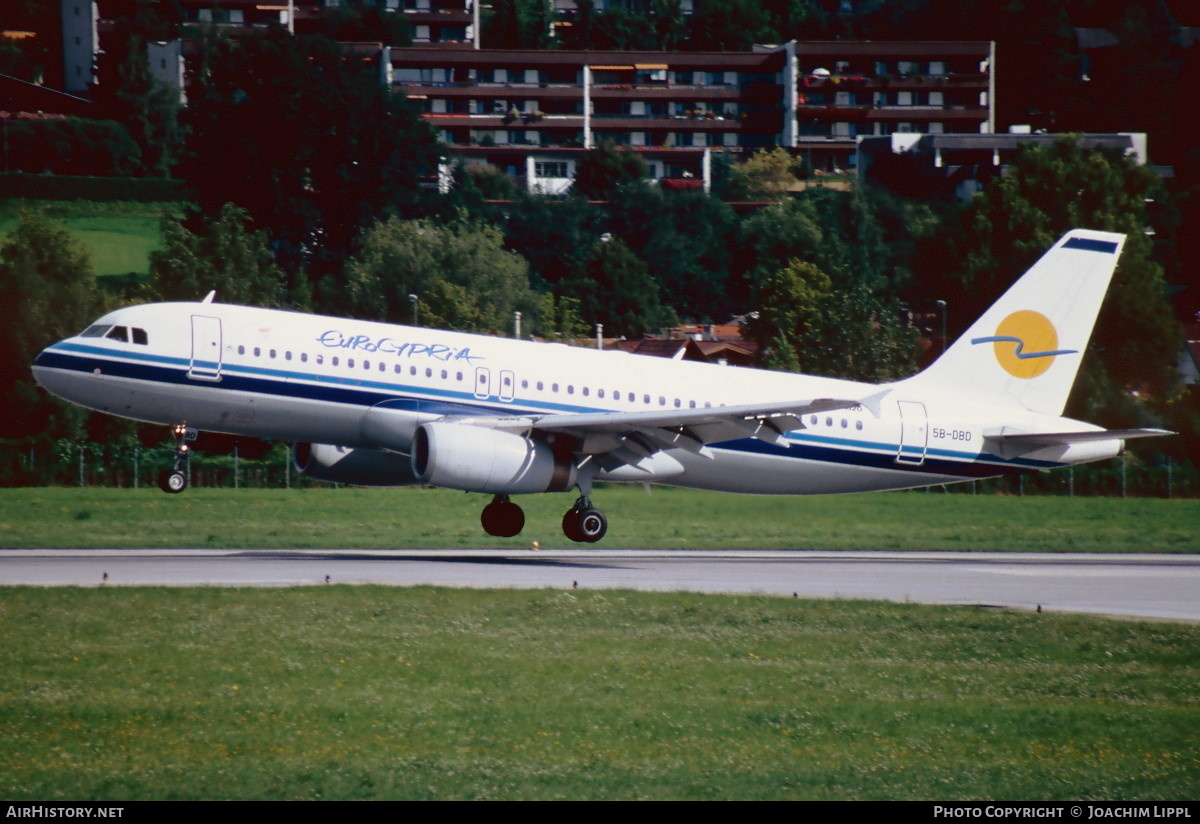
(376, 404)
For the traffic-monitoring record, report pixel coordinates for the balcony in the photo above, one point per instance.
(911, 81)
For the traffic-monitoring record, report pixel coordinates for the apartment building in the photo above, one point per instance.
(848, 89)
(529, 112)
(532, 112)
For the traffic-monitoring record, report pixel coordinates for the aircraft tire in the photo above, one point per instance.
(172, 481)
(592, 525)
(570, 526)
(503, 519)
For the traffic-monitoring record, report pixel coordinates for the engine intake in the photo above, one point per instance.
(478, 459)
(346, 465)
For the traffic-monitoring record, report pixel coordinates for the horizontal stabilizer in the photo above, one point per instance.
(1062, 438)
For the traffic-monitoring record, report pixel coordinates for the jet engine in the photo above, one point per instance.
(358, 467)
(478, 459)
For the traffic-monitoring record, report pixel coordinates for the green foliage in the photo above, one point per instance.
(1049, 191)
(684, 239)
(769, 174)
(58, 187)
(731, 25)
(802, 323)
(617, 291)
(70, 146)
(560, 318)
(553, 234)
(224, 255)
(492, 183)
(49, 292)
(605, 168)
(366, 21)
(127, 92)
(460, 271)
(305, 138)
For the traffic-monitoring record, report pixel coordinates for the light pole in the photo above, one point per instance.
(517, 325)
(415, 301)
(941, 304)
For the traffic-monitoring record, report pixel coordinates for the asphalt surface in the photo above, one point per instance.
(1148, 586)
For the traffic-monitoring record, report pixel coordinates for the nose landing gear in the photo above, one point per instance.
(174, 480)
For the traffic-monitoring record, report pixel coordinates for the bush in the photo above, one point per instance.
(55, 187)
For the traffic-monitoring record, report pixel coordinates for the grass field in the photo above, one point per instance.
(669, 518)
(365, 692)
(119, 237)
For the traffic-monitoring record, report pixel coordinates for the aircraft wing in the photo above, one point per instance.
(629, 437)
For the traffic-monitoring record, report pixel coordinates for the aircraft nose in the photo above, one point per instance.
(44, 359)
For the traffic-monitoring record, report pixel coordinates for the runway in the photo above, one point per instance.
(1148, 586)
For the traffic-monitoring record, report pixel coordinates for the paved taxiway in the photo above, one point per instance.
(1156, 586)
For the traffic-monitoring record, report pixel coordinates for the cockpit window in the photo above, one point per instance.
(118, 333)
(95, 331)
(139, 336)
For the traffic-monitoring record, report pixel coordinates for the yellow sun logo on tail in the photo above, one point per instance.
(1025, 344)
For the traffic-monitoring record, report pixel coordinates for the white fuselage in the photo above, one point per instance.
(296, 377)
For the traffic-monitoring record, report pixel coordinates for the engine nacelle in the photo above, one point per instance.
(358, 467)
(478, 459)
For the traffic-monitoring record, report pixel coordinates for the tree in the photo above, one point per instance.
(460, 272)
(617, 291)
(731, 25)
(553, 234)
(683, 237)
(48, 289)
(1048, 191)
(802, 323)
(306, 138)
(606, 167)
(224, 256)
(559, 318)
(769, 174)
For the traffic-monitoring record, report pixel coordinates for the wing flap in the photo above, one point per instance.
(630, 437)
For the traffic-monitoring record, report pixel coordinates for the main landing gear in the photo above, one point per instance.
(174, 480)
(502, 517)
(583, 523)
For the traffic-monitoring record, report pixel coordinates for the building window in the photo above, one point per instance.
(936, 99)
(548, 168)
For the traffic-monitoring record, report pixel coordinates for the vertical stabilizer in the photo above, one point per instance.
(1028, 346)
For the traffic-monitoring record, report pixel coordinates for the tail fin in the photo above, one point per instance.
(1028, 346)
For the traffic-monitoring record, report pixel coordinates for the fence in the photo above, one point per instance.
(72, 463)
